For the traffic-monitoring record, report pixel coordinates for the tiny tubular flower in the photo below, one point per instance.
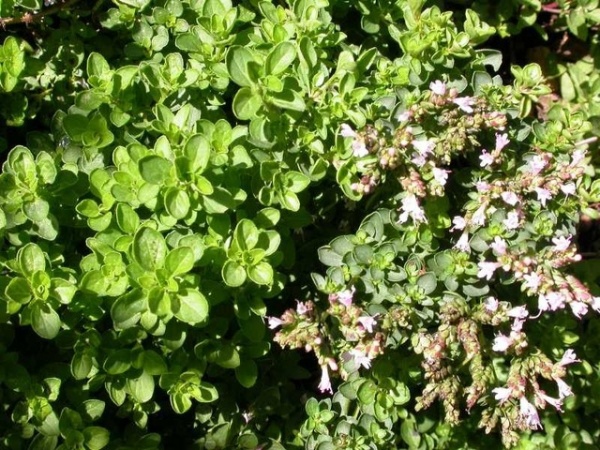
(491, 304)
(543, 195)
(564, 390)
(536, 164)
(556, 402)
(501, 343)
(440, 175)
(411, 208)
(274, 322)
(501, 141)
(579, 309)
(512, 220)
(518, 312)
(459, 223)
(532, 281)
(424, 147)
(367, 322)
(302, 308)
(345, 296)
(438, 87)
(568, 358)
(325, 383)
(529, 414)
(479, 216)
(463, 243)
(510, 198)
(487, 269)
(487, 159)
(464, 104)
(347, 131)
(502, 394)
(578, 156)
(483, 186)
(360, 358)
(561, 243)
(499, 246)
(568, 189)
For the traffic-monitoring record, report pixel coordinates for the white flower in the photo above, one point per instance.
(568, 189)
(578, 156)
(438, 87)
(510, 198)
(487, 269)
(463, 243)
(518, 312)
(459, 223)
(564, 390)
(440, 175)
(347, 131)
(536, 164)
(499, 246)
(302, 308)
(419, 160)
(529, 414)
(512, 220)
(483, 186)
(360, 358)
(367, 322)
(359, 149)
(464, 104)
(274, 322)
(561, 243)
(502, 394)
(532, 281)
(325, 383)
(479, 216)
(487, 159)
(501, 343)
(405, 116)
(411, 208)
(424, 147)
(568, 358)
(555, 300)
(491, 304)
(579, 309)
(501, 141)
(543, 195)
(556, 402)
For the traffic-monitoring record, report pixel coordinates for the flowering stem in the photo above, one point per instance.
(583, 142)
(28, 18)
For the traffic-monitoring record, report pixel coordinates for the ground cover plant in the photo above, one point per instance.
(294, 225)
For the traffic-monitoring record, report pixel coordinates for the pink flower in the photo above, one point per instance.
(502, 394)
(512, 220)
(568, 189)
(367, 322)
(529, 414)
(345, 297)
(479, 216)
(440, 175)
(487, 159)
(482, 186)
(325, 383)
(543, 195)
(532, 281)
(463, 243)
(556, 402)
(564, 390)
(411, 208)
(501, 343)
(302, 308)
(438, 87)
(419, 160)
(510, 198)
(487, 269)
(491, 304)
(464, 104)
(499, 246)
(459, 223)
(501, 141)
(405, 116)
(359, 149)
(568, 358)
(561, 243)
(556, 300)
(578, 156)
(518, 312)
(424, 147)
(274, 322)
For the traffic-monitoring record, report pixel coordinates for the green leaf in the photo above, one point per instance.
(93, 409)
(149, 249)
(188, 42)
(141, 388)
(288, 99)
(427, 282)
(118, 361)
(18, 290)
(246, 103)
(128, 308)
(180, 402)
(197, 151)
(410, 434)
(226, 356)
(280, 58)
(44, 320)
(177, 203)
(154, 364)
(41, 442)
(233, 273)
(238, 61)
(245, 235)
(366, 392)
(97, 65)
(247, 373)
(81, 366)
(208, 393)
(127, 218)
(179, 261)
(261, 273)
(296, 181)
(89, 100)
(96, 438)
(154, 169)
(193, 307)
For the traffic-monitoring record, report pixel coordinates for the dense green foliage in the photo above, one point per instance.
(307, 224)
